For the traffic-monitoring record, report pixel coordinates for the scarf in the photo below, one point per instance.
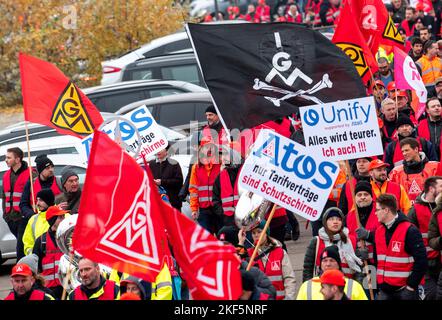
(346, 251)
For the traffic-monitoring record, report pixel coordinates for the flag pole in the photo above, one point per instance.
(249, 266)
(30, 167)
(358, 223)
(68, 274)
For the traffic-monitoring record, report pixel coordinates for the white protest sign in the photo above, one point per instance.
(342, 130)
(286, 173)
(152, 138)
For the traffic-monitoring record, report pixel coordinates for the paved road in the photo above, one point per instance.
(296, 252)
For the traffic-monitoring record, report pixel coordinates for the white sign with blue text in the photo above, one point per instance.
(342, 130)
(284, 172)
(152, 139)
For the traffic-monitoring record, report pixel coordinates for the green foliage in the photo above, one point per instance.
(77, 35)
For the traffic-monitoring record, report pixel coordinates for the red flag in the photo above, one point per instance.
(350, 40)
(375, 24)
(51, 99)
(119, 220)
(210, 267)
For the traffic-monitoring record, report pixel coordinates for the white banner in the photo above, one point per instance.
(342, 130)
(286, 173)
(152, 137)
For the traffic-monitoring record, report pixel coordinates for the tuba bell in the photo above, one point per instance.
(250, 210)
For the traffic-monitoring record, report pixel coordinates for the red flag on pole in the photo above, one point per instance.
(119, 220)
(210, 267)
(51, 99)
(375, 24)
(350, 40)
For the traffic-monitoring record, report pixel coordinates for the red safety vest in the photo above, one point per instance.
(423, 131)
(344, 265)
(398, 157)
(394, 263)
(229, 195)
(35, 295)
(108, 294)
(392, 137)
(222, 137)
(13, 195)
(263, 13)
(413, 183)
(392, 188)
(50, 261)
(423, 214)
(348, 192)
(273, 270)
(372, 225)
(54, 187)
(439, 223)
(205, 185)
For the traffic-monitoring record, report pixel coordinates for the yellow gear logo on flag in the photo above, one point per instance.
(391, 32)
(69, 112)
(356, 54)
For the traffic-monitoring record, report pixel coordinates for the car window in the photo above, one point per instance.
(178, 45)
(64, 150)
(115, 101)
(175, 114)
(188, 73)
(200, 111)
(164, 92)
(143, 74)
(155, 52)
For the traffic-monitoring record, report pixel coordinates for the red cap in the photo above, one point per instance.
(21, 269)
(400, 93)
(419, 6)
(391, 86)
(130, 296)
(377, 163)
(378, 83)
(54, 211)
(333, 277)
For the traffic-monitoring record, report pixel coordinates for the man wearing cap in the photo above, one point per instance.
(366, 217)
(389, 118)
(135, 285)
(430, 64)
(37, 224)
(415, 168)
(45, 180)
(401, 98)
(22, 282)
(330, 260)
(430, 128)
(70, 198)
(420, 215)
(379, 93)
(400, 252)
(380, 185)
(214, 129)
(405, 129)
(14, 181)
(332, 285)
(346, 199)
(48, 252)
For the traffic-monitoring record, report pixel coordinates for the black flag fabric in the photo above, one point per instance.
(261, 72)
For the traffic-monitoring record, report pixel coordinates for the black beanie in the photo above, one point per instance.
(248, 282)
(211, 108)
(331, 252)
(363, 186)
(403, 119)
(42, 161)
(47, 196)
(228, 234)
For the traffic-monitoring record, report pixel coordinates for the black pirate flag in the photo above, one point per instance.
(261, 72)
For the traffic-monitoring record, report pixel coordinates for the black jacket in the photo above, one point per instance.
(262, 282)
(169, 171)
(414, 246)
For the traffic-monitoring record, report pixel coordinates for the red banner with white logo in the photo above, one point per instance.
(119, 219)
(210, 267)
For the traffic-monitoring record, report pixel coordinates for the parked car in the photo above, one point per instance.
(112, 97)
(176, 111)
(171, 43)
(200, 8)
(178, 66)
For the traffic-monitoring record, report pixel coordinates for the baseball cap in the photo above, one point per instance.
(378, 83)
(400, 93)
(333, 277)
(21, 269)
(54, 211)
(391, 86)
(438, 80)
(377, 163)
